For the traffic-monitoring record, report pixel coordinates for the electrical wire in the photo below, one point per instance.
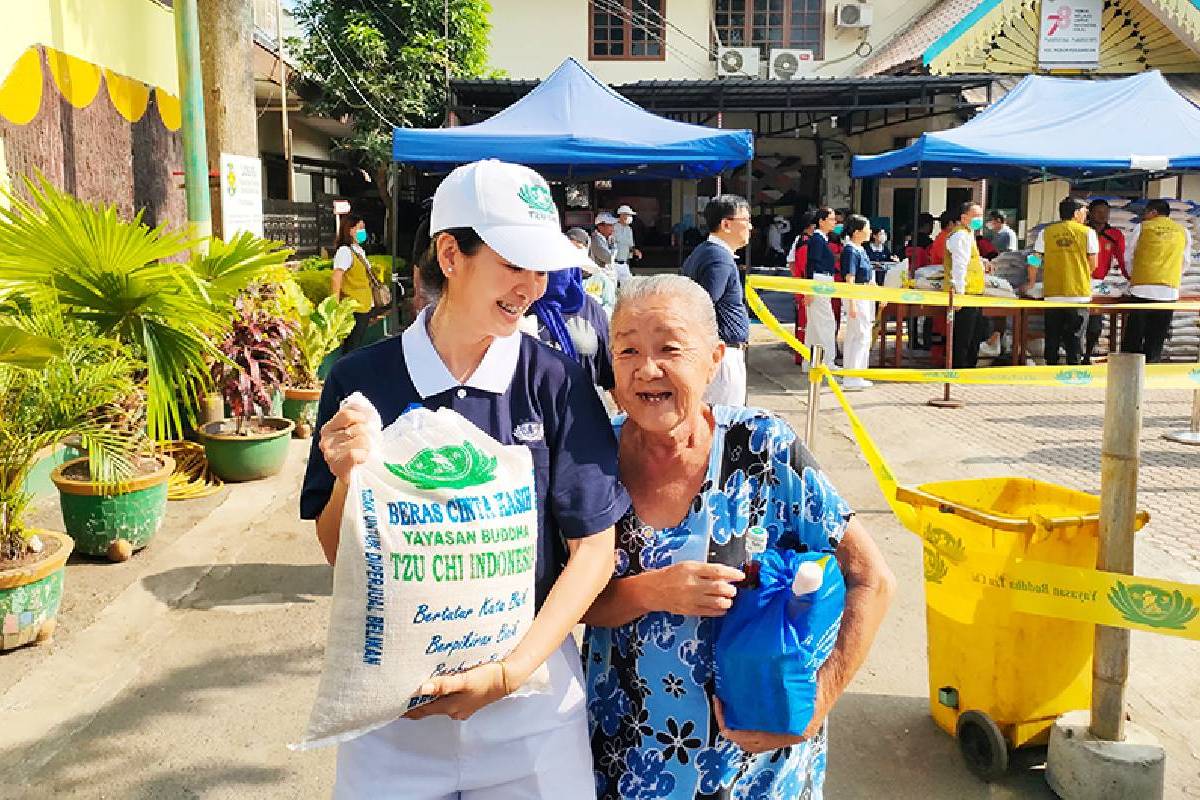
(353, 83)
(708, 50)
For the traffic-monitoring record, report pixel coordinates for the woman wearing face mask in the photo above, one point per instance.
(350, 279)
(860, 314)
(495, 236)
(880, 254)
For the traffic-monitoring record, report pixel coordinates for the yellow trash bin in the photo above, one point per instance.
(999, 678)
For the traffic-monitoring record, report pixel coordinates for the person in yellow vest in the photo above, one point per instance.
(1158, 250)
(964, 270)
(349, 277)
(1069, 250)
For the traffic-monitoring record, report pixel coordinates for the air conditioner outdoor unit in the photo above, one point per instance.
(788, 65)
(738, 62)
(853, 15)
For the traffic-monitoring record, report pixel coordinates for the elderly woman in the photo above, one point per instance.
(699, 476)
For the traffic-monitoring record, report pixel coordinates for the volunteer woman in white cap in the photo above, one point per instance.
(624, 246)
(495, 235)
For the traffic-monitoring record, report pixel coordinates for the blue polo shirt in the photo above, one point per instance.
(820, 257)
(712, 266)
(856, 264)
(521, 393)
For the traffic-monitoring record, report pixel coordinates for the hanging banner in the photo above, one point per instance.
(241, 195)
(1070, 34)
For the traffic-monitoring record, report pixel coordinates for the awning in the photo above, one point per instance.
(572, 125)
(1064, 126)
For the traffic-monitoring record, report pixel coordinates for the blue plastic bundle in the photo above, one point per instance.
(772, 642)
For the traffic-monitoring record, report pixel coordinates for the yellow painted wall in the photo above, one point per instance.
(134, 38)
(531, 37)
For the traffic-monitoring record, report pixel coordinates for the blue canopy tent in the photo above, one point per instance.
(573, 126)
(1058, 126)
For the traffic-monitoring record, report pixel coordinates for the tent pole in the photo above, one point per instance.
(750, 208)
(393, 236)
(946, 401)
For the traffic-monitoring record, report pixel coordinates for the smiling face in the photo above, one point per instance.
(485, 289)
(662, 361)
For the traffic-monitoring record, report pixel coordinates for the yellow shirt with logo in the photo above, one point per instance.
(355, 284)
(1066, 270)
(975, 274)
(1158, 256)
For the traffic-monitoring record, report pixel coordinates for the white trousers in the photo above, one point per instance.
(623, 272)
(857, 351)
(820, 326)
(728, 387)
(519, 748)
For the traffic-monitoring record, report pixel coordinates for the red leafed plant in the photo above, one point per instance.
(254, 364)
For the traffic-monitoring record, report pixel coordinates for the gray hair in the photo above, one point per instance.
(694, 302)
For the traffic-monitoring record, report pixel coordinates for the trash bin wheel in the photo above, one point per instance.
(982, 745)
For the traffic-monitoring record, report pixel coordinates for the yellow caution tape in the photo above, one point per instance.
(192, 478)
(1025, 585)
(1157, 376)
(929, 297)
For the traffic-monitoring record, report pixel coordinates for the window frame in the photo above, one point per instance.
(627, 27)
(766, 47)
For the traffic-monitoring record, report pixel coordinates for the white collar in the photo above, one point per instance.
(430, 376)
(712, 237)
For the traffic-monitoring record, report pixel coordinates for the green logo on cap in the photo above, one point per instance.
(537, 198)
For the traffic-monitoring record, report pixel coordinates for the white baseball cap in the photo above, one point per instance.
(510, 207)
(605, 218)
(625, 210)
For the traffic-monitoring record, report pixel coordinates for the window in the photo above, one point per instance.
(770, 24)
(626, 29)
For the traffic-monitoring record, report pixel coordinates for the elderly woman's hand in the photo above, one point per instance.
(754, 742)
(345, 441)
(693, 588)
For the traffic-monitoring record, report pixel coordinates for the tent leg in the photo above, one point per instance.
(393, 236)
(750, 204)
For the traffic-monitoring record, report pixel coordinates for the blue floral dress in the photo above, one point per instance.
(650, 682)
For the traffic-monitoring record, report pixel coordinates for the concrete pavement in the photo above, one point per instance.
(185, 672)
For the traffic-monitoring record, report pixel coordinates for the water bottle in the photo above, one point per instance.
(810, 576)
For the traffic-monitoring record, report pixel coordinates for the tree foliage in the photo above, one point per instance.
(384, 63)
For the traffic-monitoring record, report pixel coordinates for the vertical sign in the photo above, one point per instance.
(241, 195)
(1070, 34)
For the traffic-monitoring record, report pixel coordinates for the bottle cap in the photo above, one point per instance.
(756, 539)
(809, 578)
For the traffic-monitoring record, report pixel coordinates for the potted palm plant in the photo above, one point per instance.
(251, 444)
(50, 387)
(321, 329)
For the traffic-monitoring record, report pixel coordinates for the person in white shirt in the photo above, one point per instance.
(966, 272)
(776, 254)
(1158, 252)
(601, 249)
(624, 247)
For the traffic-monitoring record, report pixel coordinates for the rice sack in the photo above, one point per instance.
(434, 572)
(775, 638)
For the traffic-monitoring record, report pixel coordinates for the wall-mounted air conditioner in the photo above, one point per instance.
(786, 65)
(738, 62)
(853, 15)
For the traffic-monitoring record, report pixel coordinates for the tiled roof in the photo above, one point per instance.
(910, 45)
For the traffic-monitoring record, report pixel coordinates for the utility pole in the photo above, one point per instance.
(226, 59)
(283, 103)
(191, 95)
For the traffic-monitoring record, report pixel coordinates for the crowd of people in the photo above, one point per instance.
(662, 492)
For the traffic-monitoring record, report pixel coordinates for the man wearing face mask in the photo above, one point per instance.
(964, 268)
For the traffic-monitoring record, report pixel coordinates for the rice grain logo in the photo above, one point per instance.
(538, 199)
(912, 297)
(1151, 606)
(450, 467)
(1194, 375)
(824, 288)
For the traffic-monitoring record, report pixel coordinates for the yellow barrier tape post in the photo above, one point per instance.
(1025, 585)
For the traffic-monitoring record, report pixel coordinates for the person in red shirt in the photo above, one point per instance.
(797, 262)
(1112, 255)
(937, 250)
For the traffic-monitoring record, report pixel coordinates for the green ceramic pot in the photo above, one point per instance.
(235, 457)
(300, 406)
(97, 517)
(30, 595)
